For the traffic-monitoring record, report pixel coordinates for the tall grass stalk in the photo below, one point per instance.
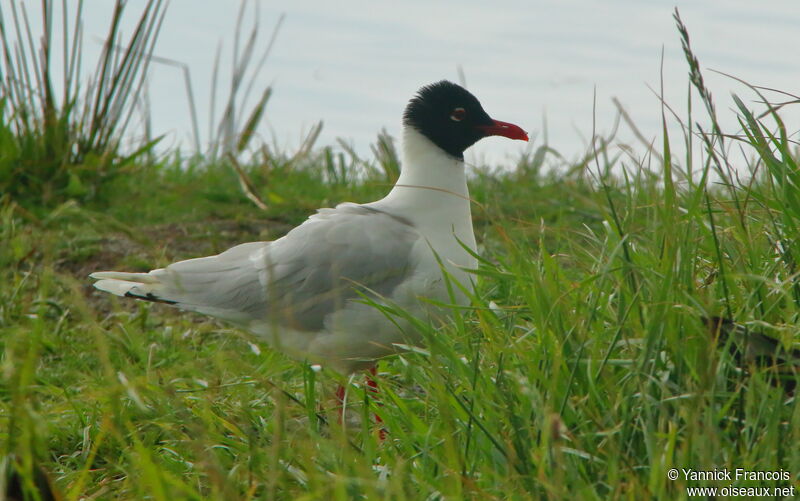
(67, 144)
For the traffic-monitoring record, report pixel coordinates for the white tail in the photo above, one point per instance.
(227, 285)
(126, 284)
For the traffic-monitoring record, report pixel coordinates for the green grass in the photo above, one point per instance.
(582, 369)
(60, 136)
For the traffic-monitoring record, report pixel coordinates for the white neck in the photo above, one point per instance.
(432, 193)
(428, 175)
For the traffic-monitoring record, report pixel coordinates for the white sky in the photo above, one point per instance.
(354, 64)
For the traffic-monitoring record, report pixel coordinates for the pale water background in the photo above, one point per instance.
(354, 64)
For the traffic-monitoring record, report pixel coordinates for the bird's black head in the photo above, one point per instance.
(453, 119)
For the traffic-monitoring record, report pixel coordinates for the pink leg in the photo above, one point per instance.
(340, 398)
(373, 387)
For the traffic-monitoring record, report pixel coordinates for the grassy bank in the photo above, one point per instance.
(582, 369)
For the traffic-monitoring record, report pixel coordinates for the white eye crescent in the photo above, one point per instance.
(458, 114)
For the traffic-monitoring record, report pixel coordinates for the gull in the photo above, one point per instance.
(312, 293)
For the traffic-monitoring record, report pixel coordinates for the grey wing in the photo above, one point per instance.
(226, 285)
(295, 281)
(332, 258)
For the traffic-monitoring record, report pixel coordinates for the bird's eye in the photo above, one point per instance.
(458, 114)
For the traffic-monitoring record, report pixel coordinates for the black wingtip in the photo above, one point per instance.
(149, 297)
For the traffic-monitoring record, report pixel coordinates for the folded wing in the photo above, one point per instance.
(296, 281)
